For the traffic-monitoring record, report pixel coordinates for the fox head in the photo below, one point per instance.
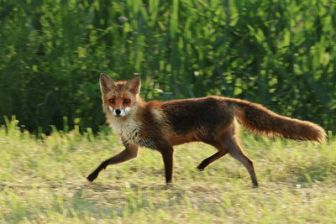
(119, 97)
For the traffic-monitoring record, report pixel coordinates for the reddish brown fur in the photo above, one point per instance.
(161, 125)
(257, 118)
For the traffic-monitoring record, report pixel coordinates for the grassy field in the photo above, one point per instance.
(43, 181)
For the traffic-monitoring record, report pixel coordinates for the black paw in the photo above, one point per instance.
(92, 177)
(200, 167)
(255, 185)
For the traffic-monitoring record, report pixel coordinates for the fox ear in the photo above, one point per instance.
(106, 83)
(134, 85)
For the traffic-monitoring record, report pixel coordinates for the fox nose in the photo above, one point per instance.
(117, 111)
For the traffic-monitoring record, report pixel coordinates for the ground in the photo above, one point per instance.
(43, 181)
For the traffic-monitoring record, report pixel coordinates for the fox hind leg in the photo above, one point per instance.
(211, 159)
(230, 145)
(236, 152)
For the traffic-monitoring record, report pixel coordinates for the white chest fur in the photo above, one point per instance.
(132, 131)
(127, 129)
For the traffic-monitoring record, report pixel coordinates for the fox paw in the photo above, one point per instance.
(92, 177)
(200, 168)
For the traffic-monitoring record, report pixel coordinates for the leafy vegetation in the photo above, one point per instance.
(280, 53)
(43, 181)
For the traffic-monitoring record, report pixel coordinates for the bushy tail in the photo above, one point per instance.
(259, 119)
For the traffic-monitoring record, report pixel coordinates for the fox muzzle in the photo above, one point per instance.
(120, 112)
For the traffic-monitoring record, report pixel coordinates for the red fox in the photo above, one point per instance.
(161, 125)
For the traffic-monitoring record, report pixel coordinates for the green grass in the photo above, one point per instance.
(43, 181)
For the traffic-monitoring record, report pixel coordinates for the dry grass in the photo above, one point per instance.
(43, 181)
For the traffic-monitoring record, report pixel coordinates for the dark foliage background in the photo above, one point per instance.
(280, 53)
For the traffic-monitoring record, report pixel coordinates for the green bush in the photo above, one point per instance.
(280, 53)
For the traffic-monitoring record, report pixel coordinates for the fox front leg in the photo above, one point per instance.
(167, 156)
(130, 152)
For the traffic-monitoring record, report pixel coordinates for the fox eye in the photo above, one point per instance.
(112, 101)
(126, 101)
